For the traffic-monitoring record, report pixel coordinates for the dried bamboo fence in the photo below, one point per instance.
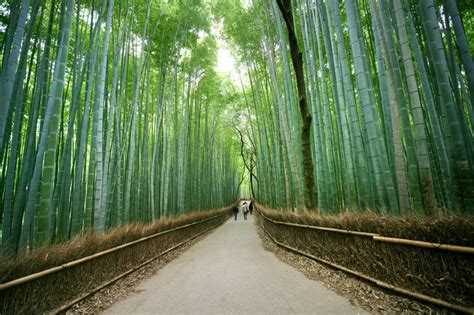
(58, 288)
(436, 273)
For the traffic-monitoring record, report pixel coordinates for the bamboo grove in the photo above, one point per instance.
(111, 113)
(390, 85)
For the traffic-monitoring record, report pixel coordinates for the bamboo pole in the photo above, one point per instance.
(379, 238)
(319, 228)
(452, 248)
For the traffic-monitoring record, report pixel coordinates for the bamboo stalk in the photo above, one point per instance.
(79, 261)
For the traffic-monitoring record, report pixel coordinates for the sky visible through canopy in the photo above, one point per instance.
(226, 62)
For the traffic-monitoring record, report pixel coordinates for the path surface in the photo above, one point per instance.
(229, 272)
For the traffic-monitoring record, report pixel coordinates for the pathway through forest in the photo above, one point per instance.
(230, 272)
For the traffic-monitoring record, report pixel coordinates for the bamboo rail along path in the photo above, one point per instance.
(377, 237)
(76, 280)
(371, 241)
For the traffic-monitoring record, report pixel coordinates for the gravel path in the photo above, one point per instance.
(229, 272)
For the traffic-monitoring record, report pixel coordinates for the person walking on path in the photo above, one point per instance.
(235, 210)
(251, 207)
(245, 209)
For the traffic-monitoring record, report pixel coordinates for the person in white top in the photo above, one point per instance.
(245, 209)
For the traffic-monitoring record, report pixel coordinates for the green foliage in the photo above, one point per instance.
(385, 135)
(101, 126)
(139, 129)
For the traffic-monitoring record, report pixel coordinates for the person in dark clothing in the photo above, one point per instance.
(235, 210)
(251, 207)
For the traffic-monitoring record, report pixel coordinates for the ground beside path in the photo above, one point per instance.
(230, 272)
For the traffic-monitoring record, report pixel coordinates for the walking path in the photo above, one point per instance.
(229, 272)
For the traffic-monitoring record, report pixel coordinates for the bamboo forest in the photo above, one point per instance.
(115, 112)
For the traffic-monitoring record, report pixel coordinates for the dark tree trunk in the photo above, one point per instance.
(249, 165)
(297, 60)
